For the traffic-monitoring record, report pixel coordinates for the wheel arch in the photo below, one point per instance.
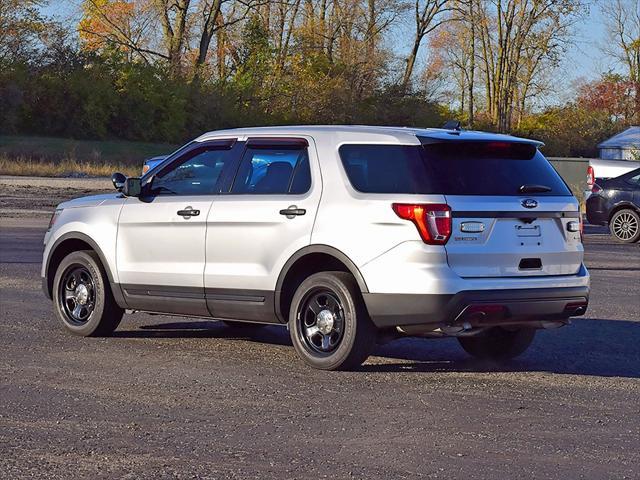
(625, 205)
(63, 246)
(307, 261)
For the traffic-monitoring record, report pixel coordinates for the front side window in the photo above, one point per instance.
(273, 170)
(197, 173)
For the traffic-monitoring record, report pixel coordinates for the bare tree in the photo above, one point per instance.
(510, 29)
(623, 23)
(429, 15)
(173, 18)
(215, 18)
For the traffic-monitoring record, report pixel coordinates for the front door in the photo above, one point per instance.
(254, 229)
(161, 235)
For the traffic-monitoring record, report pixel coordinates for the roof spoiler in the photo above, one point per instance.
(452, 125)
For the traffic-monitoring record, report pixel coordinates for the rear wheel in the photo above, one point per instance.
(498, 343)
(328, 322)
(82, 296)
(625, 225)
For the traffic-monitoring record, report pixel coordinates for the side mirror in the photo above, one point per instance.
(132, 187)
(118, 180)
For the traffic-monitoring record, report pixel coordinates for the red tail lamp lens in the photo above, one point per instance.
(590, 176)
(432, 220)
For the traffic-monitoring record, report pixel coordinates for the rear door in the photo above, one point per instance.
(512, 214)
(253, 229)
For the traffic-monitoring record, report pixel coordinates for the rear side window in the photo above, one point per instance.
(451, 168)
(388, 169)
(273, 170)
(635, 179)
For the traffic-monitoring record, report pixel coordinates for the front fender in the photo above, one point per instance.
(95, 226)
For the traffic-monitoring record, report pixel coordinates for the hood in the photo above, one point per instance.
(90, 201)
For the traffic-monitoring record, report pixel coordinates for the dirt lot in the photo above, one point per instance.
(171, 398)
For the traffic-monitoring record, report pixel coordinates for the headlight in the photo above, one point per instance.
(54, 217)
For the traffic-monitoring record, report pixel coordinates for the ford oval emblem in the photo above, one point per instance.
(529, 203)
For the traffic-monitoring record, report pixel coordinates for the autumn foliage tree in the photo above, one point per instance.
(169, 69)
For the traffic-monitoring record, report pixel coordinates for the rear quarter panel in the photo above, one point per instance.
(362, 226)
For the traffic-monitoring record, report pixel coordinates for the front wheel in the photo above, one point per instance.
(82, 296)
(328, 322)
(625, 225)
(498, 343)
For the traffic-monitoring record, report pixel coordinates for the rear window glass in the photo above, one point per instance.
(450, 168)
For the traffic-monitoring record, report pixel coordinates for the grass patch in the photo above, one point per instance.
(64, 168)
(53, 157)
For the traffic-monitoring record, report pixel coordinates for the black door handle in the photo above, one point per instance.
(188, 212)
(292, 211)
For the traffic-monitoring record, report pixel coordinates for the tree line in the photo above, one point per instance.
(166, 70)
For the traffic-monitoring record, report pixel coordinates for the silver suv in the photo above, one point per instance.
(345, 234)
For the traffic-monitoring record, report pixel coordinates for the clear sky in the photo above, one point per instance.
(584, 60)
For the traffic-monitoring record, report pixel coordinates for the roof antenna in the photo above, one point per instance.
(452, 125)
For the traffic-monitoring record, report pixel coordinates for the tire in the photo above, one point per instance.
(329, 324)
(625, 225)
(81, 278)
(243, 325)
(497, 343)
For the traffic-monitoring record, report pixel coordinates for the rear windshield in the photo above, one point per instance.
(451, 168)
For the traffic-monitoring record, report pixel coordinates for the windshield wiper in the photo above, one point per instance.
(534, 189)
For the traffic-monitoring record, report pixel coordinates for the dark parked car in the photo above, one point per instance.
(616, 202)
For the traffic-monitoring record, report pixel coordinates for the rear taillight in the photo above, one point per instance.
(590, 176)
(145, 168)
(576, 227)
(433, 220)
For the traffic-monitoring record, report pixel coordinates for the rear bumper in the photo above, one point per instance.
(597, 210)
(515, 305)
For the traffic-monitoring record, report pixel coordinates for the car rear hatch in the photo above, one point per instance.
(512, 214)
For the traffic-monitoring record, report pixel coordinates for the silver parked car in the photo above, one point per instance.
(340, 233)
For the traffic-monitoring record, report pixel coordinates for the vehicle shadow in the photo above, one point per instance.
(595, 347)
(275, 335)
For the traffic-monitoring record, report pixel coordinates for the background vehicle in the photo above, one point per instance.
(150, 163)
(339, 232)
(616, 202)
(600, 170)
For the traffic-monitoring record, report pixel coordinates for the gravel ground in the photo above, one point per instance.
(38, 196)
(172, 398)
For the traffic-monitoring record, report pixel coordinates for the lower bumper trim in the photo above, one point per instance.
(391, 310)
